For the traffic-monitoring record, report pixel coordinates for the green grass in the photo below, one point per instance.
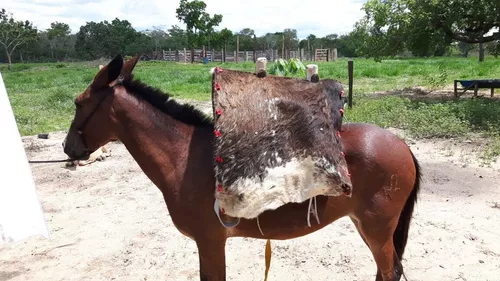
(428, 119)
(42, 94)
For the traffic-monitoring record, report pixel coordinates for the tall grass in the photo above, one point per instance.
(42, 94)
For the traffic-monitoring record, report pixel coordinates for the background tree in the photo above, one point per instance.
(14, 34)
(199, 24)
(177, 38)
(493, 48)
(225, 35)
(269, 41)
(330, 41)
(246, 38)
(427, 27)
(58, 36)
(311, 38)
(207, 30)
(288, 40)
(348, 45)
(159, 38)
(106, 39)
(465, 48)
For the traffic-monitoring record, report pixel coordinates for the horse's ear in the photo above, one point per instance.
(128, 67)
(109, 73)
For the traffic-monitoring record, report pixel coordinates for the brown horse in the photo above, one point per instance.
(173, 145)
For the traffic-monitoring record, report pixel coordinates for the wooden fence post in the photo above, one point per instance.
(334, 54)
(237, 48)
(254, 49)
(283, 47)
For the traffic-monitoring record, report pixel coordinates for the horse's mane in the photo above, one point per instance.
(185, 113)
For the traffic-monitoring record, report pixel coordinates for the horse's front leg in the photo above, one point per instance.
(212, 254)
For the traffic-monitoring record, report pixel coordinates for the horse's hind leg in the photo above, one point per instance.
(378, 237)
(212, 255)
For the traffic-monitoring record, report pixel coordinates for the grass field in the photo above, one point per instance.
(42, 94)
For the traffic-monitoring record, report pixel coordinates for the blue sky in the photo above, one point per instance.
(320, 17)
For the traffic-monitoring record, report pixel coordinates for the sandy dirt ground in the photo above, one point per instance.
(109, 222)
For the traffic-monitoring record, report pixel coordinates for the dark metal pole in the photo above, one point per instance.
(350, 68)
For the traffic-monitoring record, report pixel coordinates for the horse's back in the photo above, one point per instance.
(372, 141)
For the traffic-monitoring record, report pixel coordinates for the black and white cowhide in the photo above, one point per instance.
(277, 141)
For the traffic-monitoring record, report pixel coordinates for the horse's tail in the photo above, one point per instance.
(400, 236)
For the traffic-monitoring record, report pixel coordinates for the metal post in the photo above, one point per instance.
(350, 68)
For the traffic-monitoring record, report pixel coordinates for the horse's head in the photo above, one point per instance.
(92, 125)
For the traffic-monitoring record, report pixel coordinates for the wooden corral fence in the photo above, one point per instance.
(184, 55)
(217, 56)
(325, 55)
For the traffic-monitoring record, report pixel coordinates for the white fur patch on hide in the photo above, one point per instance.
(294, 181)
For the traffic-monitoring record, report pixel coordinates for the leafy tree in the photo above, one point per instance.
(329, 41)
(348, 45)
(14, 34)
(288, 39)
(303, 44)
(91, 40)
(383, 29)
(312, 41)
(58, 35)
(158, 38)
(429, 26)
(177, 37)
(493, 48)
(246, 39)
(269, 41)
(465, 48)
(225, 35)
(199, 24)
(105, 39)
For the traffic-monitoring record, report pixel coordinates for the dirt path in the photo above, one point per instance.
(109, 222)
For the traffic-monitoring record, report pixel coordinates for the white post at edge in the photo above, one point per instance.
(21, 214)
(312, 69)
(261, 67)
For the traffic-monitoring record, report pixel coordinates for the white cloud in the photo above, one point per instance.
(320, 17)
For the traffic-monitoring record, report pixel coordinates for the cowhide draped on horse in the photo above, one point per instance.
(277, 141)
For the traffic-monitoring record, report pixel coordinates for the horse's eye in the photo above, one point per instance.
(77, 105)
